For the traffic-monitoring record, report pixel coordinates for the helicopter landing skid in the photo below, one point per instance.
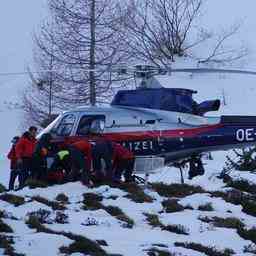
(195, 167)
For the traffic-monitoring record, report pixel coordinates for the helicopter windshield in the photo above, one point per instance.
(178, 100)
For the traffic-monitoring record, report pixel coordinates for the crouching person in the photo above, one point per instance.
(72, 161)
(39, 165)
(123, 163)
(102, 152)
(14, 166)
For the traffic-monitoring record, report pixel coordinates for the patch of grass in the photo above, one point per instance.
(62, 198)
(53, 204)
(4, 228)
(84, 246)
(178, 229)
(242, 185)
(158, 252)
(34, 183)
(81, 244)
(238, 198)
(206, 207)
(13, 199)
(153, 220)
(172, 205)
(2, 188)
(34, 223)
(251, 248)
(247, 234)
(136, 193)
(119, 214)
(92, 201)
(6, 244)
(176, 190)
(211, 251)
(223, 222)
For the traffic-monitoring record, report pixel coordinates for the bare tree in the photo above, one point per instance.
(87, 35)
(159, 29)
(163, 29)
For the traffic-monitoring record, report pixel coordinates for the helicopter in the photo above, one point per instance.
(165, 125)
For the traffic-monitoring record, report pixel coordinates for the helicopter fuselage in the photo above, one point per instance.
(150, 132)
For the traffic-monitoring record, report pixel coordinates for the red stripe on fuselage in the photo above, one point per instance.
(147, 135)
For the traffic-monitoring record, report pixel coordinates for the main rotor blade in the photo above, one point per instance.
(212, 70)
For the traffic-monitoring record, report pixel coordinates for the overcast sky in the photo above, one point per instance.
(20, 18)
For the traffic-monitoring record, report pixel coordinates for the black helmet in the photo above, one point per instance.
(15, 139)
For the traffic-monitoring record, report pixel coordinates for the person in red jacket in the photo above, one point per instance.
(13, 164)
(123, 162)
(24, 152)
(85, 147)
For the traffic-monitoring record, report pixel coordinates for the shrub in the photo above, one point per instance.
(251, 248)
(136, 193)
(211, 251)
(62, 198)
(12, 199)
(176, 190)
(2, 188)
(242, 185)
(4, 228)
(178, 229)
(42, 215)
(157, 252)
(205, 207)
(61, 218)
(6, 244)
(33, 183)
(53, 204)
(92, 201)
(120, 215)
(82, 245)
(153, 220)
(172, 205)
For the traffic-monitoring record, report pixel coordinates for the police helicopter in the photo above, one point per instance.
(165, 125)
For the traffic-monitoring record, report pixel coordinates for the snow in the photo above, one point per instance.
(239, 94)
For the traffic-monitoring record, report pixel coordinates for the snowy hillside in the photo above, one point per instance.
(161, 220)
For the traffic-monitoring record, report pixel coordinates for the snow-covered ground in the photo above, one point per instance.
(239, 92)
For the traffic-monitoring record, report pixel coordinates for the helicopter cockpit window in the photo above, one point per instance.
(85, 123)
(66, 125)
(179, 100)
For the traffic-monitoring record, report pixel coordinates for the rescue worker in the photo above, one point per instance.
(42, 148)
(86, 148)
(123, 163)
(13, 164)
(24, 151)
(73, 162)
(103, 151)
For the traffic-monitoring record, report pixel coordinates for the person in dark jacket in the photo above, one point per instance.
(24, 152)
(13, 164)
(73, 162)
(102, 151)
(123, 162)
(42, 149)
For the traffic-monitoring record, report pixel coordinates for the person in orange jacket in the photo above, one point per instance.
(13, 164)
(123, 162)
(24, 152)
